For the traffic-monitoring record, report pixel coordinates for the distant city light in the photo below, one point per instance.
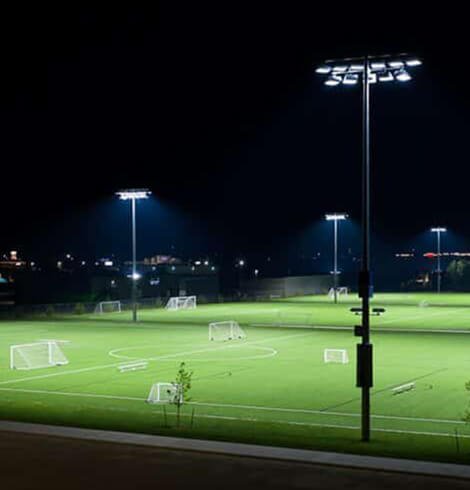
(197, 262)
(206, 262)
(108, 263)
(83, 262)
(136, 276)
(256, 271)
(212, 268)
(241, 263)
(133, 194)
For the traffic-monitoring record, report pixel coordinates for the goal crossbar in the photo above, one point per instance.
(165, 393)
(225, 330)
(108, 307)
(181, 303)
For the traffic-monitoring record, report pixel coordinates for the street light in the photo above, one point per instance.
(335, 217)
(438, 230)
(348, 72)
(133, 195)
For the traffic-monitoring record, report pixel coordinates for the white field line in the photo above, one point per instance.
(324, 412)
(373, 329)
(251, 420)
(424, 317)
(67, 393)
(156, 358)
(271, 353)
(227, 405)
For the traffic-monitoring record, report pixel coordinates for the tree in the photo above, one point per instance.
(458, 274)
(466, 416)
(183, 385)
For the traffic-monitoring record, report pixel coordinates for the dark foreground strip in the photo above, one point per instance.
(246, 450)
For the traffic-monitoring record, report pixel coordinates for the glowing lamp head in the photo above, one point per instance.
(336, 216)
(439, 229)
(127, 194)
(135, 276)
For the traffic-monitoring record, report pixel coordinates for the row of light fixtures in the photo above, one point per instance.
(380, 70)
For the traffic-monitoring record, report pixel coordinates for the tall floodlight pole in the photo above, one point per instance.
(348, 72)
(133, 195)
(335, 217)
(438, 230)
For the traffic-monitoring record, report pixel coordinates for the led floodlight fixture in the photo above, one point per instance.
(133, 194)
(383, 68)
(336, 216)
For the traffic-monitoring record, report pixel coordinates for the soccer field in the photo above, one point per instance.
(272, 387)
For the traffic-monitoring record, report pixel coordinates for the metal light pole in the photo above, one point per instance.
(438, 230)
(133, 195)
(348, 72)
(335, 217)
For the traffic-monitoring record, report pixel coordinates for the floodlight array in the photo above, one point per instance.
(133, 194)
(380, 69)
(336, 216)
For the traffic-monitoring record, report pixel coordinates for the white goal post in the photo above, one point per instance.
(108, 307)
(227, 330)
(181, 303)
(165, 393)
(336, 355)
(36, 355)
(340, 291)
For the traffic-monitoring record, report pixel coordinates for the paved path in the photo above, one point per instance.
(43, 461)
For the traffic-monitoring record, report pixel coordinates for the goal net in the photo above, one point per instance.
(108, 307)
(165, 393)
(181, 303)
(336, 355)
(36, 355)
(228, 330)
(341, 291)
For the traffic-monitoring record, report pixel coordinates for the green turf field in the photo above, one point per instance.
(270, 388)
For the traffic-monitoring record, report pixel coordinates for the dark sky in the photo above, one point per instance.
(218, 110)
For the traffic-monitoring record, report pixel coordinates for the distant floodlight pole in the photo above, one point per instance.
(348, 72)
(438, 230)
(335, 217)
(133, 195)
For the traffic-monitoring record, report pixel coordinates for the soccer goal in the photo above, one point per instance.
(341, 291)
(108, 307)
(36, 355)
(181, 303)
(228, 330)
(165, 393)
(339, 356)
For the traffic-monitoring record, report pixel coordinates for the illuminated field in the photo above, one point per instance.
(271, 388)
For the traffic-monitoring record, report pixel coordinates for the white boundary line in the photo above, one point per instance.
(373, 329)
(244, 407)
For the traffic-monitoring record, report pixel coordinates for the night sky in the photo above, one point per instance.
(218, 110)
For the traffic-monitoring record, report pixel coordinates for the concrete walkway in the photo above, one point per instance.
(33, 456)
